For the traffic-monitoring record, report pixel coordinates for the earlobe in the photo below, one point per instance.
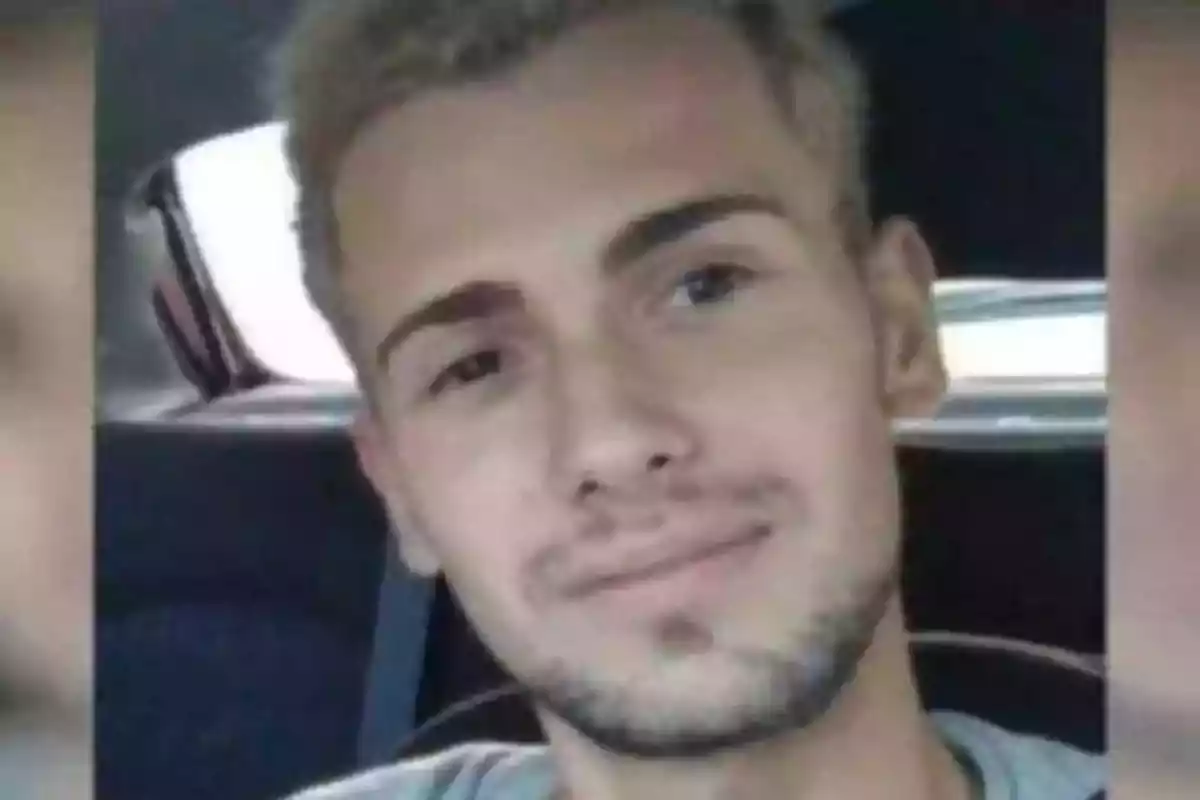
(365, 437)
(377, 464)
(415, 552)
(901, 275)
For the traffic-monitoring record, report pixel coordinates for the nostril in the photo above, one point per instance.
(658, 461)
(588, 487)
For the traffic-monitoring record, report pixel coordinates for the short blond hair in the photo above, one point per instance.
(345, 61)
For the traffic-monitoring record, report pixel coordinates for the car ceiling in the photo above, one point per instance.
(988, 129)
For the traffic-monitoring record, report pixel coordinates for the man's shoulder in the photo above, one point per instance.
(1016, 765)
(478, 771)
(1024, 766)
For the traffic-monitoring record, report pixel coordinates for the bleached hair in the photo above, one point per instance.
(345, 61)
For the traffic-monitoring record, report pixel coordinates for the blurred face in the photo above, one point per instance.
(1154, 248)
(633, 395)
(45, 363)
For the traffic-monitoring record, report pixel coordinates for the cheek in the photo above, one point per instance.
(784, 373)
(475, 489)
(1155, 392)
(834, 442)
(810, 412)
(1154, 443)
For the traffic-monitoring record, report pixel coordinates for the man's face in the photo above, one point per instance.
(1154, 445)
(633, 394)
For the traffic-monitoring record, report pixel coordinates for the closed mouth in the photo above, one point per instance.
(667, 564)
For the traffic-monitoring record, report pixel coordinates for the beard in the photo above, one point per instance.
(702, 698)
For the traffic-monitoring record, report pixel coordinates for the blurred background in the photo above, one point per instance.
(46, 311)
(1154, 439)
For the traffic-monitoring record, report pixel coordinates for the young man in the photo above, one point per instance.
(631, 351)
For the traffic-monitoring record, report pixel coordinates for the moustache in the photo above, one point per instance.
(683, 520)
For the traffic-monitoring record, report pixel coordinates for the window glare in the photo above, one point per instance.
(240, 200)
(1053, 347)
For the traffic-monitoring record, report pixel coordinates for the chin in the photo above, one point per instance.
(692, 703)
(684, 688)
(692, 709)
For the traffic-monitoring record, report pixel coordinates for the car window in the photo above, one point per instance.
(239, 199)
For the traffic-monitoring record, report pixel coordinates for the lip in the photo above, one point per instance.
(665, 565)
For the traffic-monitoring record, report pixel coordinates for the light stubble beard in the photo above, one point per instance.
(785, 689)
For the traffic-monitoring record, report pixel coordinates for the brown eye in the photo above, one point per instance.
(467, 370)
(708, 285)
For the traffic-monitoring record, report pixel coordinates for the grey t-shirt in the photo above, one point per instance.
(1011, 767)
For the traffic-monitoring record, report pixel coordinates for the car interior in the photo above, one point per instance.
(255, 631)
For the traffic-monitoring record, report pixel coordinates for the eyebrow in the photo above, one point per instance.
(638, 238)
(474, 300)
(665, 226)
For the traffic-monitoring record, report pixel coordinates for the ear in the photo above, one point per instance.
(379, 465)
(900, 276)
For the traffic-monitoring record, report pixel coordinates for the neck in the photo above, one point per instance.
(874, 743)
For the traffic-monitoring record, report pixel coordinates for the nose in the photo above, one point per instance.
(616, 431)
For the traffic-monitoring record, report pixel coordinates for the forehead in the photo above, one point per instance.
(605, 125)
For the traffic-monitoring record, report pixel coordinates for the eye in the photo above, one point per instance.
(708, 285)
(467, 370)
